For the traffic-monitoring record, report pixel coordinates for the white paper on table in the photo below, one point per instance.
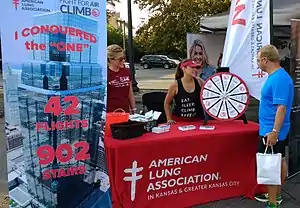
(156, 115)
(149, 114)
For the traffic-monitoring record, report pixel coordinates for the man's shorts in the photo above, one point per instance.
(279, 147)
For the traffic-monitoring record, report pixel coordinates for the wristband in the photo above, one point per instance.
(274, 130)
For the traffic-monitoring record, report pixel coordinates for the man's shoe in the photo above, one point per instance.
(265, 198)
(262, 198)
(270, 205)
(279, 199)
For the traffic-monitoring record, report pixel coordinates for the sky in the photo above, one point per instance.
(137, 14)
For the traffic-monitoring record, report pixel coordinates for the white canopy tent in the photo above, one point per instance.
(284, 11)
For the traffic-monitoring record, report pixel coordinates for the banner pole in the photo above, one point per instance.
(130, 48)
(271, 22)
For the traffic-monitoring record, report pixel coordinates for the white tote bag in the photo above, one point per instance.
(268, 168)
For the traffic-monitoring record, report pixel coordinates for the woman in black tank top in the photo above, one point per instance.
(186, 93)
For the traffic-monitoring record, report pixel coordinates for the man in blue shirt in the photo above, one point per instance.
(275, 107)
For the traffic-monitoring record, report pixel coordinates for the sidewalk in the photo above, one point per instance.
(291, 197)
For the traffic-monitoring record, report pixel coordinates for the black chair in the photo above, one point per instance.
(155, 101)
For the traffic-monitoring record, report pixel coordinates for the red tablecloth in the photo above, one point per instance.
(181, 169)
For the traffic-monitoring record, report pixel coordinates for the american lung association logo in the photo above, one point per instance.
(16, 4)
(133, 178)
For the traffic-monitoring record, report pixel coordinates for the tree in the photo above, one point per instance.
(114, 36)
(165, 32)
(110, 4)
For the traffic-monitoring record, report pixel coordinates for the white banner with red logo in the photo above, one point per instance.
(248, 31)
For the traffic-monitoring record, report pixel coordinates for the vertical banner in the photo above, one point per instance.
(54, 69)
(248, 30)
(294, 143)
(212, 46)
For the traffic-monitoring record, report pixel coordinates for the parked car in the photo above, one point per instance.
(149, 61)
(176, 58)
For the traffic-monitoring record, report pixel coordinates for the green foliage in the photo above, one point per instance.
(12, 203)
(114, 36)
(165, 32)
(110, 3)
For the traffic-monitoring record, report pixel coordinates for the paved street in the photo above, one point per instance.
(290, 195)
(155, 78)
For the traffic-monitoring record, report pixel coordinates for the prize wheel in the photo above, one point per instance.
(224, 96)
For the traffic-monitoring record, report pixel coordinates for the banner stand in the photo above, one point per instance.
(294, 138)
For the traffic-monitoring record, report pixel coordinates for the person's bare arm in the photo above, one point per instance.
(131, 99)
(168, 100)
(279, 119)
(272, 137)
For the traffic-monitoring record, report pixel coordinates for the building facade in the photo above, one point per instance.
(14, 137)
(62, 73)
(11, 103)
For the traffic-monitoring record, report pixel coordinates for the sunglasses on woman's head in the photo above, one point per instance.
(196, 67)
(121, 58)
